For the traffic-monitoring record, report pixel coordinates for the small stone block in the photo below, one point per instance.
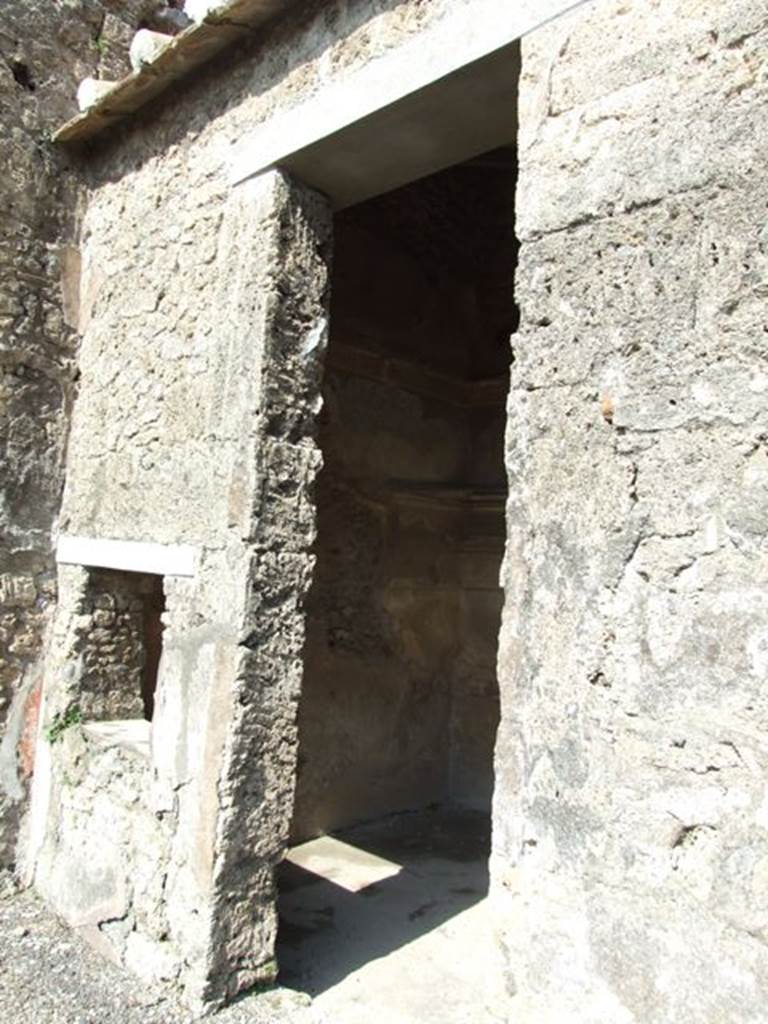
(147, 47)
(198, 10)
(91, 90)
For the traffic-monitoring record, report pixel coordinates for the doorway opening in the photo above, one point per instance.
(399, 708)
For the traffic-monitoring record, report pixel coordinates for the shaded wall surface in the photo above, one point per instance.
(630, 833)
(45, 49)
(399, 702)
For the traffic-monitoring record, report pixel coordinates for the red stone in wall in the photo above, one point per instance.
(29, 731)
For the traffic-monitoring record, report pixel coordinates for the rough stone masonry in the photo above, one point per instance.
(630, 856)
(630, 845)
(162, 853)
(45, 49)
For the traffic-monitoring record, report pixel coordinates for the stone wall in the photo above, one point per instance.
(630, 843)
(45, 49)
(200, 314)
(215, 451)
(629, 838)
(114, 644)
(399, 702)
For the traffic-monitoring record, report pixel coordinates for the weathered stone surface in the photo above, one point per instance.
(630, 839)
(399, 703)
(629, 813)
(201, 313)
(45, 49)
(176, 846)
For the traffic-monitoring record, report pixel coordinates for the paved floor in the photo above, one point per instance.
(383, 924)
(388, 924)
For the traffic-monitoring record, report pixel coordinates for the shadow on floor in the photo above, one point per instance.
(327, 932)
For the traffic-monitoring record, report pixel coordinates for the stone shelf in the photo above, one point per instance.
(131, 733)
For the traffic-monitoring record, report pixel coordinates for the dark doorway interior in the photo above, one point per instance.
(399, 707)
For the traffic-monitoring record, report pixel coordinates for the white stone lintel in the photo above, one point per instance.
(128, 555)
(475, 31)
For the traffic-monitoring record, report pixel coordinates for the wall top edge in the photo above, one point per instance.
(224, 25)
(473, 32)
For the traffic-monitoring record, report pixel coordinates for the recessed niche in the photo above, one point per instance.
(122, 645)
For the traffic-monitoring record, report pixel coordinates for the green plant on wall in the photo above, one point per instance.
(62, 721)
